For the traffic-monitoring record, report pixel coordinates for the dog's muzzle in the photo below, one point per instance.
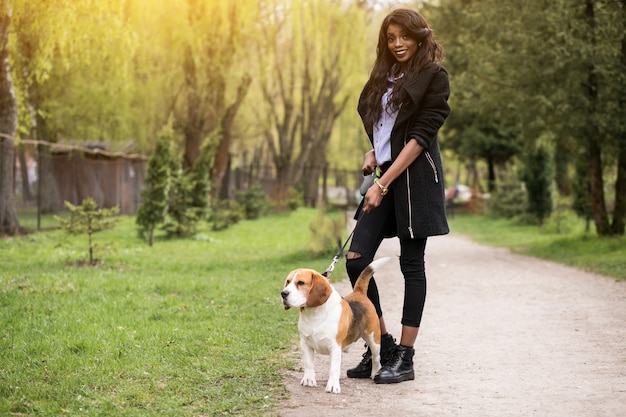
(284, 294)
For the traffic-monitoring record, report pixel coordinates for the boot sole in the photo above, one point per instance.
(400, 378)
(359, 375)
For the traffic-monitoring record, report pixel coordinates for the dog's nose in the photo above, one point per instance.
(284, 294)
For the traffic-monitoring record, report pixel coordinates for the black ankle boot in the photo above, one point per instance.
(364, 368)
(399, 369)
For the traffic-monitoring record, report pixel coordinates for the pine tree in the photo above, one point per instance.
(538, 177)
(154, 196)
(88, 218)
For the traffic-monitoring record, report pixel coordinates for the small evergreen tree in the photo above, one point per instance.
(538, 175)
(88, 218)
(199, 177)
(182, 218)
(154, 196)
(509, 200)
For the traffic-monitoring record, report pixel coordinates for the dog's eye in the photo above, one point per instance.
(300, 283)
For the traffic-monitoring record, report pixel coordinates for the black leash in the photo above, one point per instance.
(339, 254)
(368, 181)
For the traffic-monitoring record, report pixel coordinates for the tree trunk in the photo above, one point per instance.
(598, 202)
(194, 121)
(222, 155)
(619, 212)
(8, 125)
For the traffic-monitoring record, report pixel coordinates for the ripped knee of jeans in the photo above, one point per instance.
(355, 264)
(353, 255)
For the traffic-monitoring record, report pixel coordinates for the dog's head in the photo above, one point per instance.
(305, 288)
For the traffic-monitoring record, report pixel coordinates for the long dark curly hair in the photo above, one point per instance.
(418, 28)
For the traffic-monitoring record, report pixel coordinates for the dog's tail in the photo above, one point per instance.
(363, 280)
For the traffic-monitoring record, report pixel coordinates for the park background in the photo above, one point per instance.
(254, 103)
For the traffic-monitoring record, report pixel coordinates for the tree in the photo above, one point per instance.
(538, 178)
(88, 218)
(306, 59)
(9, 223)
(154, 196)
(567, 88)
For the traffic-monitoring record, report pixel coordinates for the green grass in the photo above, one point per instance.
(186, 327)
(565, 242)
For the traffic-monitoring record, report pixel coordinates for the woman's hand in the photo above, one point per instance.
(372, 198)
(369, 165)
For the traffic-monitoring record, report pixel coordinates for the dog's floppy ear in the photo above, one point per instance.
(319, 292)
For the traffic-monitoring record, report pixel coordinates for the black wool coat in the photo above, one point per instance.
(419, 192)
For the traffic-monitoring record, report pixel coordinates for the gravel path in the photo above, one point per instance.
(502, 335)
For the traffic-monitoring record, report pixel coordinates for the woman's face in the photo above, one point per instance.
(400, 44)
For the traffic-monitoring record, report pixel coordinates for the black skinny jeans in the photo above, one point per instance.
(370, 230)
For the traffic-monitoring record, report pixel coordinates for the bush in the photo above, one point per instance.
(509, 200)
(295, 199)
(254, 202)
(326, 234)
(224, 214)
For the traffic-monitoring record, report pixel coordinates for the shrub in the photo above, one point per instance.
(254, 202)
(88, 218)
(224, 214)
(326, 234)
(509, 200)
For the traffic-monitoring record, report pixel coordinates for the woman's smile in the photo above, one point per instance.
(400, 44)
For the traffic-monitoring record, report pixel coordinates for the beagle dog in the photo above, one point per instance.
(330, 324)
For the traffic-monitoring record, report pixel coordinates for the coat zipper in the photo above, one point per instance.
(408, 192)
(433, 166)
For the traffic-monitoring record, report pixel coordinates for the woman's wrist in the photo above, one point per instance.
(383, 190)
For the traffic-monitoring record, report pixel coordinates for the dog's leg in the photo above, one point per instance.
(375, 348)
(308, 380)
(335, 370)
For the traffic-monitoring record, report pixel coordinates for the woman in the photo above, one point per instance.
(402, 107)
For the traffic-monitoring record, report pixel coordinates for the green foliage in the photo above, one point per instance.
(225, 213)
(295, 199)
(199, 178)
(538, 176)
(254, 201)
(182, 217)
(326, 233)
(565, 91)
(154, 196)
(509, 200)
(88, 219)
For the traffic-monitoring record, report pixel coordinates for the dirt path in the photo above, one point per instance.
(502, 335)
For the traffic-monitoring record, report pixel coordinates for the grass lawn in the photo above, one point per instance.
(184, 328)
(564, 242)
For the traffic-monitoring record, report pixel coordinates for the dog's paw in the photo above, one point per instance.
(333, 387)
(308, 381)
